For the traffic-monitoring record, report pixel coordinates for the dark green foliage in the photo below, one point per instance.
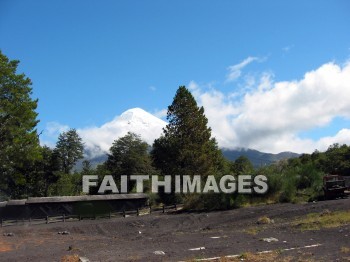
(64, 186)
(77, 183)
(242, 166)
(19, 146)
(188, 136)
(289, 187)
(337, 160)
(87, 168)
(129, 156)
(307, 176)
(301, 179)
(186, 147)
(70, 149)
(274, 178)
(45, 173)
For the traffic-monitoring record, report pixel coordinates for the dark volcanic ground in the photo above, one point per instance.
(220, 233)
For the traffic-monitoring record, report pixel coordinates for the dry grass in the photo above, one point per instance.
(345, 250)
(70, 258)
(134, 258)
(316, 221)
(252, 230)
(264, 220)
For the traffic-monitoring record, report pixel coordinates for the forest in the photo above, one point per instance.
(186, 147)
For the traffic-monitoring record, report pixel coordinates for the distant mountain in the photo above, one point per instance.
(98, 140)
(256, 157)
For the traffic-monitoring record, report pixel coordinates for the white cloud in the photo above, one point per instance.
(51, 132)
(342, 137)
(235, 71)
(287, 48)
(49, 143)
(153, 88)
(270, 116)
(219, 111)
(160, 113)
(53, 129)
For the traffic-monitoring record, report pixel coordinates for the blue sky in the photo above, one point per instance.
(91, 60)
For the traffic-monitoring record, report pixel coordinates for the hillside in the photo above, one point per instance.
(256, 157)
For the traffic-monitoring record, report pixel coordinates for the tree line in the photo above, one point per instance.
(186, 147)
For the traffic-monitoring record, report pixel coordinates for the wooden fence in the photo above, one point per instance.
(68, 218)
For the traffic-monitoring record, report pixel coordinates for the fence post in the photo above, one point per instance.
(64, 217)
(124, 213)
(47, 219)
(163, 209)
(175, 206)
(137, 211)
(150, 209)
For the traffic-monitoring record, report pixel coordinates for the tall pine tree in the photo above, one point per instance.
(186, 147)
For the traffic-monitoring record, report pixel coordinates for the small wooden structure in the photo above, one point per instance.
(82, 206)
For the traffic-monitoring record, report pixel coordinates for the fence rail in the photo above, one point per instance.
(68, 218)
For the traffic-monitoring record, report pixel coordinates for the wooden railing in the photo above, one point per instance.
(67, 218)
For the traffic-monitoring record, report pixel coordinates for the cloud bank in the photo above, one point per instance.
(271, 115)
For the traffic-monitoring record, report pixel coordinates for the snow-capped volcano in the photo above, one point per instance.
(140, 118)
(98, 140)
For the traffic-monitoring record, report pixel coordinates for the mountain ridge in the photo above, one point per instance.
(257, 158)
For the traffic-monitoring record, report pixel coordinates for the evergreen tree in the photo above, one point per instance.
(129, 156)
(87, 168)
(186, 147)
(19, 146)
(242, 166)
(70, 149)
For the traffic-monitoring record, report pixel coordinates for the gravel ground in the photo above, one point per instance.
(182, 236)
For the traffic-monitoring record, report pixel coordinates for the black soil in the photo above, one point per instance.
(221, 233)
